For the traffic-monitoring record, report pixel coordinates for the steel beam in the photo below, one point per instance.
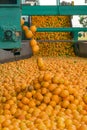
(54, 10)
(70, 29)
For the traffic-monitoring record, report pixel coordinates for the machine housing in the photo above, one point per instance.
(10, 28)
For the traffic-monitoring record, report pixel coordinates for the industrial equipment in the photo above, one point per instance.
(10, 29)
(11, 12)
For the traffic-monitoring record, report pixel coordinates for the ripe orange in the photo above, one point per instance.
(57, 90)
(84, 118)
(6, 123)
(44, 90)
(46, 99)
(19, 96)
(25, 100)
(20, 104)
(83, 127)
(7, 106)
(39, 96)
(35, 48)
(25, 28)
(10, 102)
(37, 86)
(55, 98)
(53, 103)
(47, 77)
(85, 98)
(22, 21)
(45, 84)
(52, 87)
(33, 28)
(32, 104)
(40, 62)
(68, 122)
(65, 103)
(28, 34)
(55, 79)
(28, 95)
(64, 93)
(33, 42)
(49, 94)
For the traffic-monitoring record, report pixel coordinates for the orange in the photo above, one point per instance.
(35, 48)
(32, 104)
(65, 104)
(47, 77)
(42, 106)
(83, 127)
(6, 123)
(55, 98)
(44, 90)
(7, 106)
(71, 98)
(40, 62)
(20, 104)
(57, 90)
(25, 100)
(10, 102)
(64, 93)
(72, 127)
(39, 96)
(25, 28)
(37, 86)
(28, 95)
(19, 96)
(49, 94)
(33, 28)
(46, 99)
(45, 84)
(40, 78)
(85, 98)
(68, 122)
(25, 107)
(13, 110)
(28, 34)
(52, 87)
(33, 42)
(55, 79)
(84, 118)
(22, 21)
(53, 103)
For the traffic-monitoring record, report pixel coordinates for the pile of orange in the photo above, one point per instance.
(44, 93)
(33, 98)
(53, 48)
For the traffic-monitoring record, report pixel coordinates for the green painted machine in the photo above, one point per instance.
(10, 29)
(12, 10)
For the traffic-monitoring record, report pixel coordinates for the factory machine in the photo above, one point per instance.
(11, 12)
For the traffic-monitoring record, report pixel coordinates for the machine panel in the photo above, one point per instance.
(8, 1)
(10, 24)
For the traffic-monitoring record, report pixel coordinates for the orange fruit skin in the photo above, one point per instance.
(33, 42)
(28, 34)
(33, 28)
(22, 22)
(35, 48)
(83, 127)
(25, 28)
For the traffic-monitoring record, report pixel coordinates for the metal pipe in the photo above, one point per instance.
(54, 10)
(70, 29)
